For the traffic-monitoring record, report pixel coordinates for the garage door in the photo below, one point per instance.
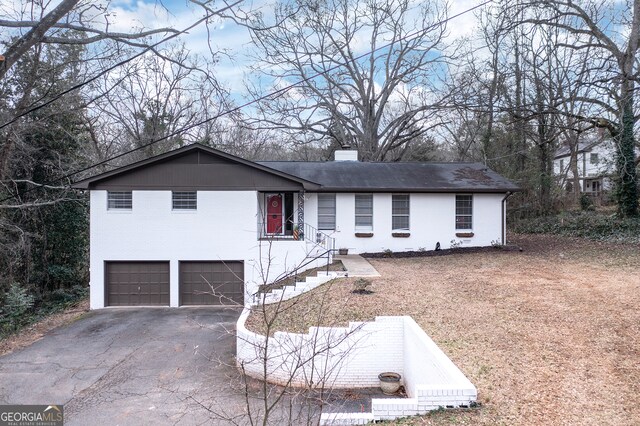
(211, 283)
(137, 283)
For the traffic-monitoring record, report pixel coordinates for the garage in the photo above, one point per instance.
(137, 283)
(211, 283)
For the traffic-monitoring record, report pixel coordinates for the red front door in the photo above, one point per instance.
(274, 214)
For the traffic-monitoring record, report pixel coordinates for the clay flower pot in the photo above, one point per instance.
(389, 382)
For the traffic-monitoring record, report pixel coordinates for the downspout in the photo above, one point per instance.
(504, 222)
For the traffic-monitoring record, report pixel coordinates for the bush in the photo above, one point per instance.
(361, 286)
(20, 308)
(17, 305)
(585, 224)
(586, 203)
(62, 298)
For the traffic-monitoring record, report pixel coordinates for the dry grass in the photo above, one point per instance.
(549, 336)
(34, 332)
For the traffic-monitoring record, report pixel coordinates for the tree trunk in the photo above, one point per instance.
(627, 190)
(573, 165)
(34, 35)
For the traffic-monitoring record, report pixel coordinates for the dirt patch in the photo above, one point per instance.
(548, 335)
(34, 332)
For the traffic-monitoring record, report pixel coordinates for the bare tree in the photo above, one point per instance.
(54, 53)
(284, 379)
(367, 70)
(154, 98)
(612, 87)
(73, 23)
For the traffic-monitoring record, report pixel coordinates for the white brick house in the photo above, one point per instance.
(167, 229)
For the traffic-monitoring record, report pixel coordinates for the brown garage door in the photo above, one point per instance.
(211, 283)
(137, 283)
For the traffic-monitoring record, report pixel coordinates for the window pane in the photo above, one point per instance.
(326, 222)
(327, 200)
(464, 211)
(463, 222)
(364, 203)
(327, 211)
(400, 212)
(185, 200)
(119, 200)
(400, 222)
(364, 210)
(364, 221)
(400, 204)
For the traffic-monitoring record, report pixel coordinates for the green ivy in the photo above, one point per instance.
(585, 224)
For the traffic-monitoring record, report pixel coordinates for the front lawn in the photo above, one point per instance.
(549, 335)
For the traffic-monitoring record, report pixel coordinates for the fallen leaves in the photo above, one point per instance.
(547, 339)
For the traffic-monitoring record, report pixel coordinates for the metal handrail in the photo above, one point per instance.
(309, 233)
(315, 236)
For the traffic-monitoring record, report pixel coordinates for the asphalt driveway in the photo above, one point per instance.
(130, 366)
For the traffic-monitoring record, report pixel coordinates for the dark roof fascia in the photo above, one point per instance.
(586, 148)
(568, 154)
(85, 183)
(419, 190)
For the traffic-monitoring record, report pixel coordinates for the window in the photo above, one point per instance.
(364, 211)
(464, 211)
(183, 200)
(593, 158)
(400, 212)
(278, 214)
(327, 211)
(561, 166)
(119, 200)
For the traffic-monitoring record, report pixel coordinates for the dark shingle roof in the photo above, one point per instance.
(565, 151)
(353, 176)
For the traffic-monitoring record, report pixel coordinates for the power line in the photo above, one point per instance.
(116, 65)
(275, 93)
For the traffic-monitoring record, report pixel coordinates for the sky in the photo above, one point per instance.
(222, 35)
(225, 35)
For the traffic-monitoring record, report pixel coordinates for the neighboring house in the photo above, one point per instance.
(595, 165)
(165, 230)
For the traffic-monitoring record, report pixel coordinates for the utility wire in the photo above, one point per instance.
(275, 93)
(116, 65)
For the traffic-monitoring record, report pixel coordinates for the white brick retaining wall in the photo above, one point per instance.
(352, 357)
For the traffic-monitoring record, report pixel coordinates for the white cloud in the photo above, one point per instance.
(466, 24)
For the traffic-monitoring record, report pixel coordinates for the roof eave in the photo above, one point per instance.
(499, 190)
(86, 183)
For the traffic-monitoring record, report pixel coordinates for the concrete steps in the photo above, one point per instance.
(300, 287)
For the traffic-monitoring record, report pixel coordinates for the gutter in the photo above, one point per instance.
(504, 212)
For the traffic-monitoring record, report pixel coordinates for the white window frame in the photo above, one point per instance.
(115, 201)
(362, 215)
(399, 215)
(469, 215)
(185, 207)
(327, 196)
